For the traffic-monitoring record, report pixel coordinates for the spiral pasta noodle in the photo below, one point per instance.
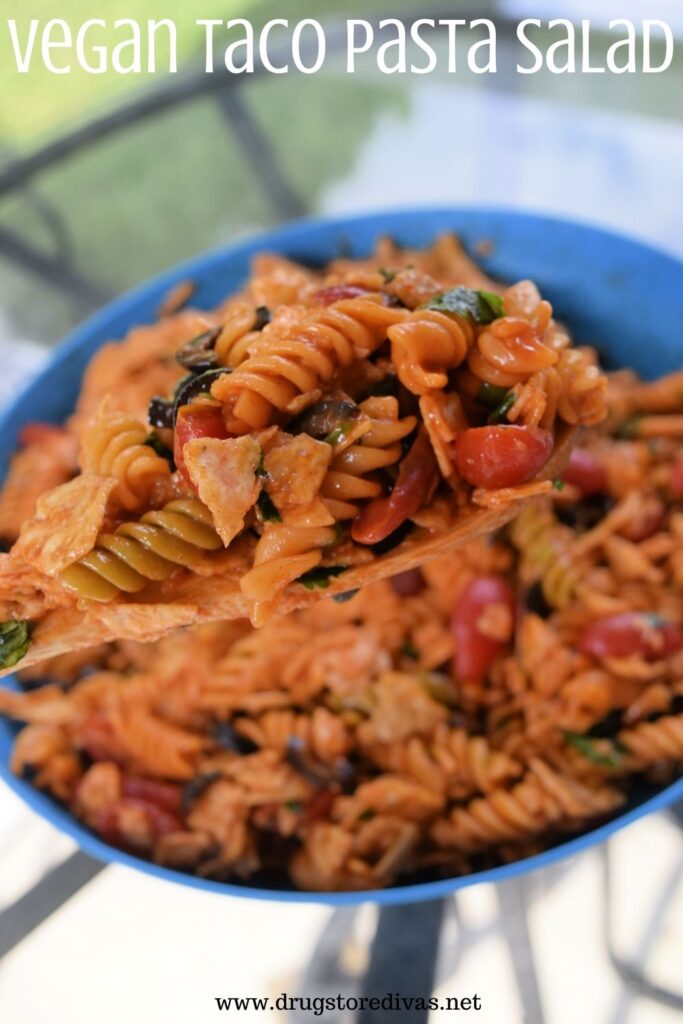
(238, 332)
(115, 446)
(349, 478)
(282, 555)
(649, 742)
(150, 549)
(546, 553)
(426, 345)
(287, 366)
(453, 762)
(542, 799)
(582, 394)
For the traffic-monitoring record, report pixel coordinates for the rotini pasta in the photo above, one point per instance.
(288, 366)
(150, 549)
(116, 446)
(471, 711)
(330, 421)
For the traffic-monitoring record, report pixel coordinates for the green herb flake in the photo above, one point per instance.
(558, 484)
(154, 442)
(499, 415)
(261, 468)
(627, 430)
(409, 650)
(388, 275)
(266, 510)
(491, 395)
(367, 815)
(592, 749)
(15, 638)
(294, 805)
(477, 305)
(319, 578)
(339, 433)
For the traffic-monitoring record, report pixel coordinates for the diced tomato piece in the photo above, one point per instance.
(631, 633)
(34, 433)
(408, 583)
(320, 804)
(502, 456)
(586, 472)
(337, 292)
(474, 651)
(417, 476)
(160, 821)
(165, 795)
(198, 420)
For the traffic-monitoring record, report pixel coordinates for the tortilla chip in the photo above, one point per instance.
(224, 473)
(295, 469)
(66, 524)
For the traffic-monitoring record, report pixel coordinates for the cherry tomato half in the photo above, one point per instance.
(502, 456)
(337, 292)
(586, 472)
(198, 420)
(631, 633)
(159, 821)
(165, 795)
(474, 651)
(417, 475)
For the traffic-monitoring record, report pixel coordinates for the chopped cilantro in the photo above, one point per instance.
(491, 395)
(266, 510)
(592, 749)
(15, 638)
(409, 650)
(388, 275)
(340, 432)
(499, 414)
(319, 578)
(558, 484)
(367, 815)
(294, 805)
(480, 306)
(629, 428)
(261, 468)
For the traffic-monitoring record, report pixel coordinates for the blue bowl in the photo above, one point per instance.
(618, 294)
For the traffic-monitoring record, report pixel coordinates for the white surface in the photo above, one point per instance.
(609, 169)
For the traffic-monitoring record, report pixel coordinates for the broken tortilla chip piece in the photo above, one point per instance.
(224, 473)
(65, 525)
(295, 469)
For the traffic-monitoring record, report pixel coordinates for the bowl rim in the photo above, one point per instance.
(280, 238)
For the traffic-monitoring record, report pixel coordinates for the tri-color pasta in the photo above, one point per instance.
(474, 711)
(327, 418)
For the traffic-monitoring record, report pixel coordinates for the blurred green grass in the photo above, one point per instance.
(40, 103)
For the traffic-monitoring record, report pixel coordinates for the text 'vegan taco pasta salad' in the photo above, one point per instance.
(318, 422)
(436, 723)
